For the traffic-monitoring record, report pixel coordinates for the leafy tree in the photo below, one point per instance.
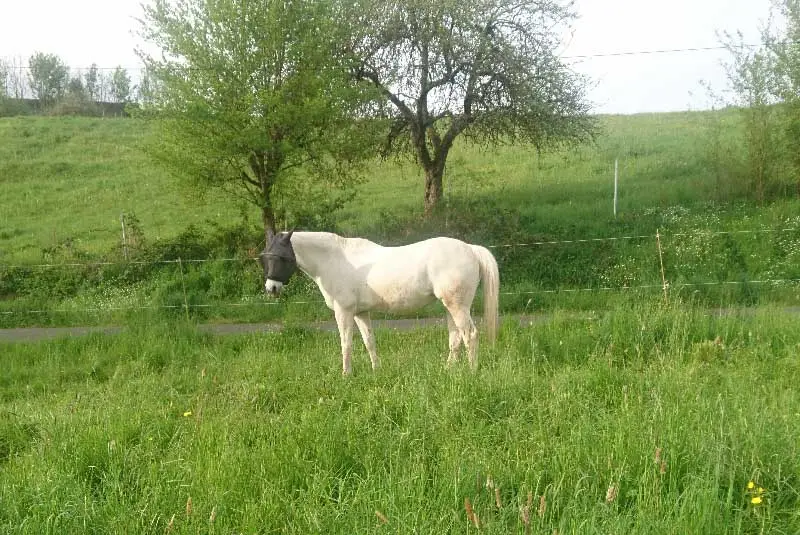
(765, 87)
(92, 82)
(5, 72)
(144, 89)
(75, 87)
(104, 81)
(120, 85)
(486, 70)
(786, 48)
(49, 77)
(252, 98)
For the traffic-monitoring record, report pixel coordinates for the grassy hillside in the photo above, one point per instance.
(646, 421)
(65, 182)
(69, 179)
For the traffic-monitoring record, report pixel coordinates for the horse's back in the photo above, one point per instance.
(430, 264)
(410, 276)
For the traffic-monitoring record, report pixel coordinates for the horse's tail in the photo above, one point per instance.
(490, 277)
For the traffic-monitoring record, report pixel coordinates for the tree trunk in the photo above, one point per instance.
(268, 218)
(433, 187)
(265, 165)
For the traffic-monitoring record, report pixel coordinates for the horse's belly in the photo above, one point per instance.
(399, 295)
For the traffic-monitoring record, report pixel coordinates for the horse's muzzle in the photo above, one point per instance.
(273, 288)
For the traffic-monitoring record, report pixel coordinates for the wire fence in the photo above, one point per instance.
(664, 284)
(708, 233)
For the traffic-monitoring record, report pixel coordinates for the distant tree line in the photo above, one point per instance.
(46, 84)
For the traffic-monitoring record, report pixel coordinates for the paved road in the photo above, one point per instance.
(32, 334)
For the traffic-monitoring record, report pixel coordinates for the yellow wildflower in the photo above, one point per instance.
(755, 500)
(750, 485)
(187, 413)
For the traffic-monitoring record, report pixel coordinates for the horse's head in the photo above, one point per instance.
(278, 262)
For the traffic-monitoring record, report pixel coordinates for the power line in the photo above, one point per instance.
(660, 51)
(576, 56)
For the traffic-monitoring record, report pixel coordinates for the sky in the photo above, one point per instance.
(83, 32)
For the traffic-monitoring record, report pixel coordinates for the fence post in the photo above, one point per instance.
(183, 285)
(124, 240)
(616, 181)
(661, 261)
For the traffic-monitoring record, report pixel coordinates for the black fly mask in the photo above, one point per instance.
(278, 261)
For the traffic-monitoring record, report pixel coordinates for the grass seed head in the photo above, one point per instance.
(471, 516)
(611, 493)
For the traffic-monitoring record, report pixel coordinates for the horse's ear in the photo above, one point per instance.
(270, 236)
(288, 236)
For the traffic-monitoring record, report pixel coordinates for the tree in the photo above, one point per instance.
(120, 85)
(4, 78)
(765, 87)
(252, 98)
(49, 77)
(486, 70)
(91, 82)
(144, 89)
(75, 87)
(786, 48)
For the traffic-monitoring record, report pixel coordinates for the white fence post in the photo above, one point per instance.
(124, 240)
(661, 261)
(616, 181)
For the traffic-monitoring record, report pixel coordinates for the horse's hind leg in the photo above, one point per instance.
(467, 330)
(365, 327)
(454, 339)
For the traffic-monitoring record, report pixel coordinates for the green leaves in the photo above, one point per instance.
(486, 69)
(252, 96)
(49, 77)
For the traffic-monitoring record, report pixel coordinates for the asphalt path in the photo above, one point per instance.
(35, 334)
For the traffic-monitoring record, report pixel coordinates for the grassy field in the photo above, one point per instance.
(66, 181)
(650, 420)
(617, 414)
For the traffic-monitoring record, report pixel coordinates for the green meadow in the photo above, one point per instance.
(622, 410)
(648, 420)
(66, 182)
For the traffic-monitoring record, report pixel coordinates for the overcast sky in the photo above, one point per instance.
(83, 32)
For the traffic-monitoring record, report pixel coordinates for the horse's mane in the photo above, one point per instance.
(341, 241)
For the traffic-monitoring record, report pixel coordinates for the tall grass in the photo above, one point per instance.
(648, 420)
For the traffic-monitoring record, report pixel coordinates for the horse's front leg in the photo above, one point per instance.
(344, 320)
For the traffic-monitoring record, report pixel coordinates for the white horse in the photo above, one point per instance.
(356, 276)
